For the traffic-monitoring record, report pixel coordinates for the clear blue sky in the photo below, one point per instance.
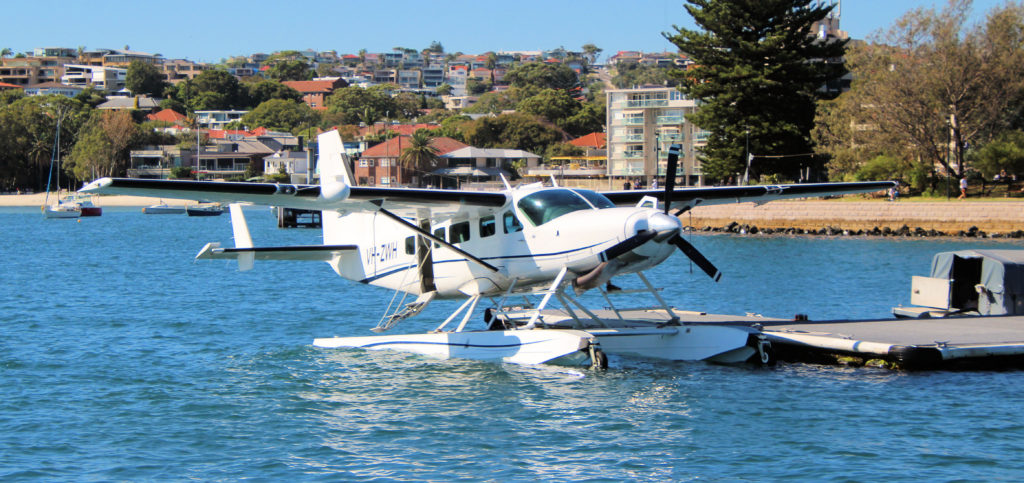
(209, 31)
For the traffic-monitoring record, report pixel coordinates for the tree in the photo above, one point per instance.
(102, 148)
(144, 78)
(1004, 153)
(212, 89)
(354, 102)
(280, 115)
(265, 90)
(758, 68)
(516, 131)
(421, 155)
(933, 85)
(444, 90)
(591, 51)
(290, 70)
(542, 75)
(6, 52)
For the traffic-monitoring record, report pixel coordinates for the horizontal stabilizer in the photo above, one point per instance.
(316, 253)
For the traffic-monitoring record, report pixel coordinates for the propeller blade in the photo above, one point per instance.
(642, 236)
(670, 174)
(698, 258)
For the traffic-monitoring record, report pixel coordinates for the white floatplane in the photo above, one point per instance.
(550, 242)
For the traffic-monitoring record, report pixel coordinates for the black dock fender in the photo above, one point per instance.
(916, 357)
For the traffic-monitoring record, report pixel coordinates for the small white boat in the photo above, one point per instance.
(62, 209)
(85, 204)
(163, 209)
(205, 209)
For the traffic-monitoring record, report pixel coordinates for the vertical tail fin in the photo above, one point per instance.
(335, 174)
(242, 237)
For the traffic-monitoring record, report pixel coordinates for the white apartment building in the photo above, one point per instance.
(218, 119)
(110, 79)
(642, 124)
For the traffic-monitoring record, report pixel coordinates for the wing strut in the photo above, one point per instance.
(427, 234)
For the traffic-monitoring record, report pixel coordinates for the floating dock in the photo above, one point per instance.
(988, 342)
(993, 342)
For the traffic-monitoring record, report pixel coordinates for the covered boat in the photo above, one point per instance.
(969, 282)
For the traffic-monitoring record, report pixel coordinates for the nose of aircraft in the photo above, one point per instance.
(664, 225)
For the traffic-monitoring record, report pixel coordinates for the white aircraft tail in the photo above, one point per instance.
(246, 260)
(335, 173)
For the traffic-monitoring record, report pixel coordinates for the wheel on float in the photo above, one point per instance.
(766, 354)
(598, 359)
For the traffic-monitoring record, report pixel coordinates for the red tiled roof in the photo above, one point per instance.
(167, 115)
(596, 140)
(313, 86)
(4, 85)
(393, 147)
(223, 133)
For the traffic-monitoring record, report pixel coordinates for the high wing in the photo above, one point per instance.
(335, 191)
(301, 196)
(685, 198)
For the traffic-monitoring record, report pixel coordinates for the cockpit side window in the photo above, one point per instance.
(544, 206)
(511, 223)
(597, 199)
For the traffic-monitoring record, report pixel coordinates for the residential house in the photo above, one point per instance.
(48, 88)
(593, 163)
(298, 164)
(135, 103)
(110, 79)
(5, 86)
(379, 165)
(218, 119)
(315, 92)
(178, 70)
(470, 164)
(409, 79)
(230, 158)
(32, 70)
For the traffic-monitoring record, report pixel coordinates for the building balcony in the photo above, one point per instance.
(670, 119)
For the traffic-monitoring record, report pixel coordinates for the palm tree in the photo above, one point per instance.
(420, 156)
(5, 52)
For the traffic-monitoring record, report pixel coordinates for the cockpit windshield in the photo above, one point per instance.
(544, 206)
(597, 199)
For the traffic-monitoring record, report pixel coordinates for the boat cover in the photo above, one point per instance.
(1002, 275)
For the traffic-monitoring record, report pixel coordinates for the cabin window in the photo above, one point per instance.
(459, 232)
(439, 233)
(544, 206)
(511, 223)
(410, 245)
(487, 226)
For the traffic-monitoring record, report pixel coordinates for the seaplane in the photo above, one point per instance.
(531, 242)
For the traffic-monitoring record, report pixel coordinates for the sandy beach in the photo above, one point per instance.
(38, 199)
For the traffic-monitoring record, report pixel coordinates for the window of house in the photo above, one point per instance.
(459, 232)
(385, 180)
(363, 164)
(487, 226)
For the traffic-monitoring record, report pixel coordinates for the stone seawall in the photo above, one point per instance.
(946, 216)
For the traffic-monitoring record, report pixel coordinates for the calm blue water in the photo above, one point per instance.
(121, 359)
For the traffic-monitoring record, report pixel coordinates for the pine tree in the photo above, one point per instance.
(759, 68)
